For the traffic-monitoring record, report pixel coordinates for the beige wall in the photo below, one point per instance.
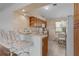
(51, 29)
(20, 23)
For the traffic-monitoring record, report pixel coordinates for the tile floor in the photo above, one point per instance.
(54, 49)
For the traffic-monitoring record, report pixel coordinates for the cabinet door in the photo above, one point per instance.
(45, 46)
(32, 21)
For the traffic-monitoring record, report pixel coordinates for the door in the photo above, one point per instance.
(76, 29)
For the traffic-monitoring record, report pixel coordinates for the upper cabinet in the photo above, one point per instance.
(37, 22)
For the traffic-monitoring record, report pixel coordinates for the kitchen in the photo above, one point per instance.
(23, 25)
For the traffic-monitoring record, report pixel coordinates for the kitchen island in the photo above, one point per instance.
(40, 44)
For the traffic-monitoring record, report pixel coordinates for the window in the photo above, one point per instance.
(60, 25)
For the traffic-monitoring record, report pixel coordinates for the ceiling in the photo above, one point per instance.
(4, 5)
(59, 10)
(55, 11)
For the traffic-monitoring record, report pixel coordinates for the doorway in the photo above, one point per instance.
(57, 38)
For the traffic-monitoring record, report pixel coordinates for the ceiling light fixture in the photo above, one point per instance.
(23, 10)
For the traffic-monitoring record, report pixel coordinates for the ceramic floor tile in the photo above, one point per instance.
(54, 49)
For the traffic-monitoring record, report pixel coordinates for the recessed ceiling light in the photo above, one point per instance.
(46, 7)
(23, 10)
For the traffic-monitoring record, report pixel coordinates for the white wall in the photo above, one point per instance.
(7, 16)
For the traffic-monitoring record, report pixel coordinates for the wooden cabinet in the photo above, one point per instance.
(34, 21)
(45, 46)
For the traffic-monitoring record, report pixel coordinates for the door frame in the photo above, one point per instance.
(70, 36)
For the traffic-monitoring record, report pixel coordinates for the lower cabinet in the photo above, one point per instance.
(45, 46)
